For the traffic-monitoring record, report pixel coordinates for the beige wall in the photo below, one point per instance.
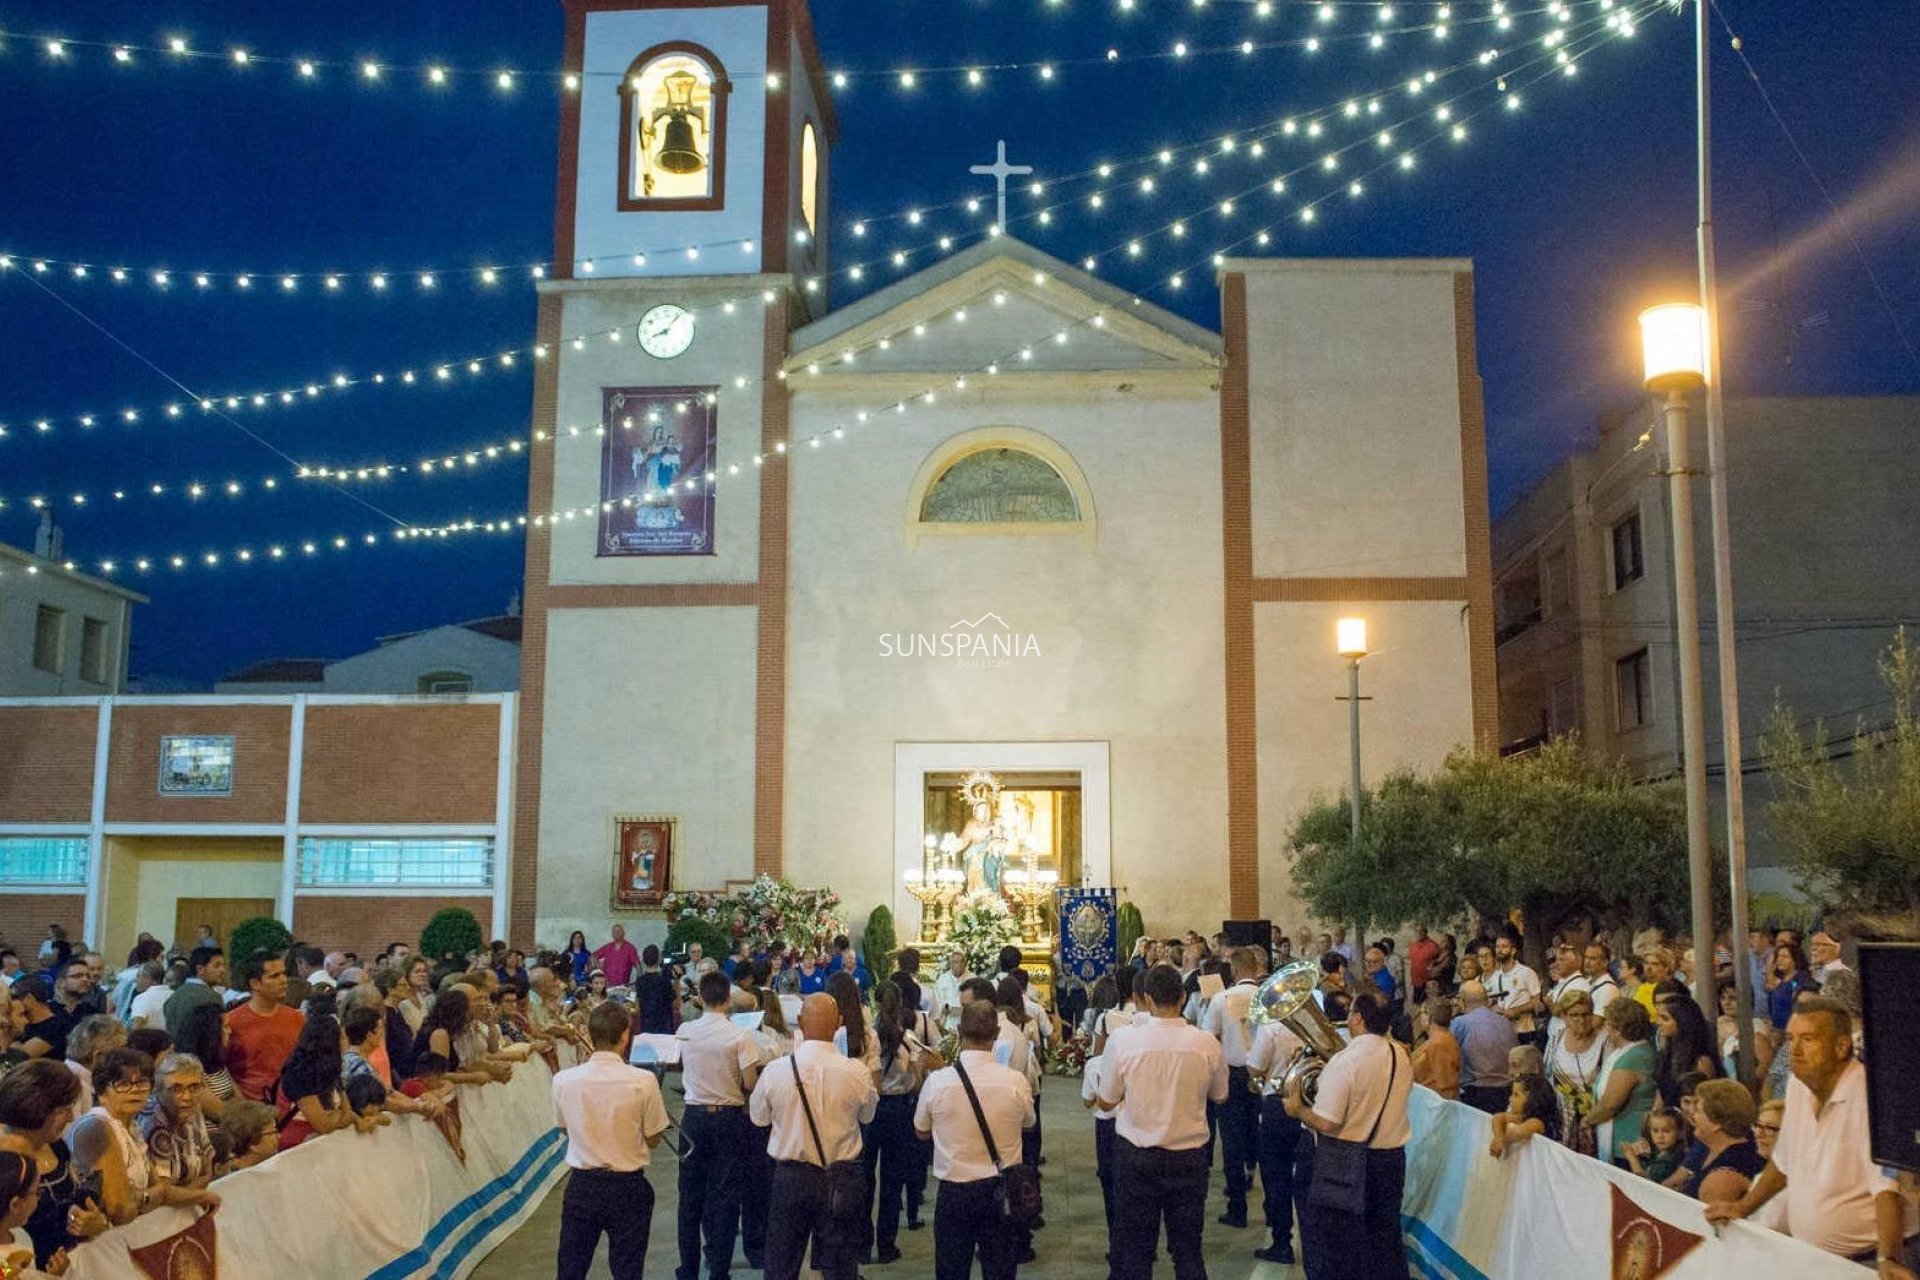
(1355, 411)
(148, 875)
(647, 711)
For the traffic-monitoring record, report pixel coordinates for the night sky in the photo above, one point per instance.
(1578, 210)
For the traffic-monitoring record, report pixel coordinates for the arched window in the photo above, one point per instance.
(999, 486)
(809, 177)
(673, 130)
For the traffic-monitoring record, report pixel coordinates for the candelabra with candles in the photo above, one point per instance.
(936, 885)
(1030, 887)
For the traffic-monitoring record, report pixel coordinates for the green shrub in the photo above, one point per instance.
(260, 933)
(878, 942)
(452, 934)
(689, 929)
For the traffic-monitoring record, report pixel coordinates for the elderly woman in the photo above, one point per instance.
(1574, 1058)
(1628, 1086)
(1724, 1160)
(106, 1143)
(179, 1142)
(90, 1038)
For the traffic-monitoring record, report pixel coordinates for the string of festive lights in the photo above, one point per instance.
(443, 373)
(384, 282)
(1435, 17)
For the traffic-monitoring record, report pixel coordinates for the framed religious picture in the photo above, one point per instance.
(657, 460)
(196, 765)
(643, 849)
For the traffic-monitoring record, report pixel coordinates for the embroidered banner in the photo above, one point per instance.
(1089, 933)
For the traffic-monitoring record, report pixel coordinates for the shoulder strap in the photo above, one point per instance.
(807, 1107)
(980, 1117)
(1393, 1067)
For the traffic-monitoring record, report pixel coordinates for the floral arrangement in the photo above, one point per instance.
(1067, 1057)
(982, 926)
(767, 911)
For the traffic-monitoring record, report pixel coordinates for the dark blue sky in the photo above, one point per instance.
(1577, 210)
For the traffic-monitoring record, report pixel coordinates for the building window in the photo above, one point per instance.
(1633, 690)
(1000, 486)
(50, 639)
(809, 177)
(43, 860)
(388, 863)
(1629, 559)
(93, 650)
(446, 682)
(673, 129)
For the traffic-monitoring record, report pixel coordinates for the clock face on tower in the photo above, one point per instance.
(666, 331)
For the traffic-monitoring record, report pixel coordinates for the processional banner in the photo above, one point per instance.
(1089, 933)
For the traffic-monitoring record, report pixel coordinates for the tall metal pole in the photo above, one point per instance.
(1725, 636)
(1693, 733)
(1353, 742)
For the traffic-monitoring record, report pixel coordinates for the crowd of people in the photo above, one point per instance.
(819, 1105)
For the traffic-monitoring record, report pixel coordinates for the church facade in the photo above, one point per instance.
(798, 571)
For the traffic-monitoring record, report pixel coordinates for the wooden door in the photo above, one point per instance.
(222, 913)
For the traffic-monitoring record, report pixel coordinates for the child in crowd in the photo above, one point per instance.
(1657, 1156)
(1532, 1111)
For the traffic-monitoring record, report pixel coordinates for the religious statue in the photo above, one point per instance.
(982, 846)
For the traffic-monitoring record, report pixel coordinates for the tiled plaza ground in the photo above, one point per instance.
(1070, 1248)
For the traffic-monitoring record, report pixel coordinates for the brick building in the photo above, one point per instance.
(351, 818)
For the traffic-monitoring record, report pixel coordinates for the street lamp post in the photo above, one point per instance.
(1350, 642)
(1674, 348)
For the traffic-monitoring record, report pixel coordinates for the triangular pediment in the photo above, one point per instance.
(1000, 303)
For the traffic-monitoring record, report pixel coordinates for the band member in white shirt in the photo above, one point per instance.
(1160, 1077)
(946, 993)
(1225, 1019)
(614, 1117)
(966, 1217)
(1274, 1047)
(1362, 1098)
(815, 1101)
(718, 1063)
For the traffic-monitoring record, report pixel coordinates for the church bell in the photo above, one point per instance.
(679, 149)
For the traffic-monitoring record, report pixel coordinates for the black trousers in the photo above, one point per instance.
(1279, 1141)
(798, 1213)
(1103, 1169)
(891, 1151)
(618, 1204)
(1491, 1098)
(1367, 1245)
(966, 1223)
(756, 1186)
(711, 1175)
(1159, 1186)
(1239, 1138)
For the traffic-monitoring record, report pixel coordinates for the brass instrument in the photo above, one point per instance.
(1287, 997)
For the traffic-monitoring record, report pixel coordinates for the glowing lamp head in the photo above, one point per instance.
(1673, 346)
(1350, 638)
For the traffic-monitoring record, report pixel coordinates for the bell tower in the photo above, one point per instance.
(689, 240)
(695, 143)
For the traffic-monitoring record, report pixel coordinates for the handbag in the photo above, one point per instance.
(846, 1181)
(1021, 1202)
(1340, 1165)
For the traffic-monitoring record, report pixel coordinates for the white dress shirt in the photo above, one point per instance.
(1160, 1077)
(1019, 1047)
(1827, 1161)
(609, 1110)
(959, 1152)
(1353, 1086)
(840, 1091)
(1225, 1019)
(1274, 1045)
(148, 1008)
(1091, 1078)
(717, 1060)
(946, 1000)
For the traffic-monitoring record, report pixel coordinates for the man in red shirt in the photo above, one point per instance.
(618, 959)
(262, 1032)
(1420, 957)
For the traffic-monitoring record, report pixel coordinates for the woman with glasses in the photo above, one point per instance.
(107, 1142)
(1574, 1057)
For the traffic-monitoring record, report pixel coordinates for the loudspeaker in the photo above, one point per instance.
(1248, 933)
(1890, 1010)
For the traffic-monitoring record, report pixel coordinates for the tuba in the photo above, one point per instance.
(1287, 997)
